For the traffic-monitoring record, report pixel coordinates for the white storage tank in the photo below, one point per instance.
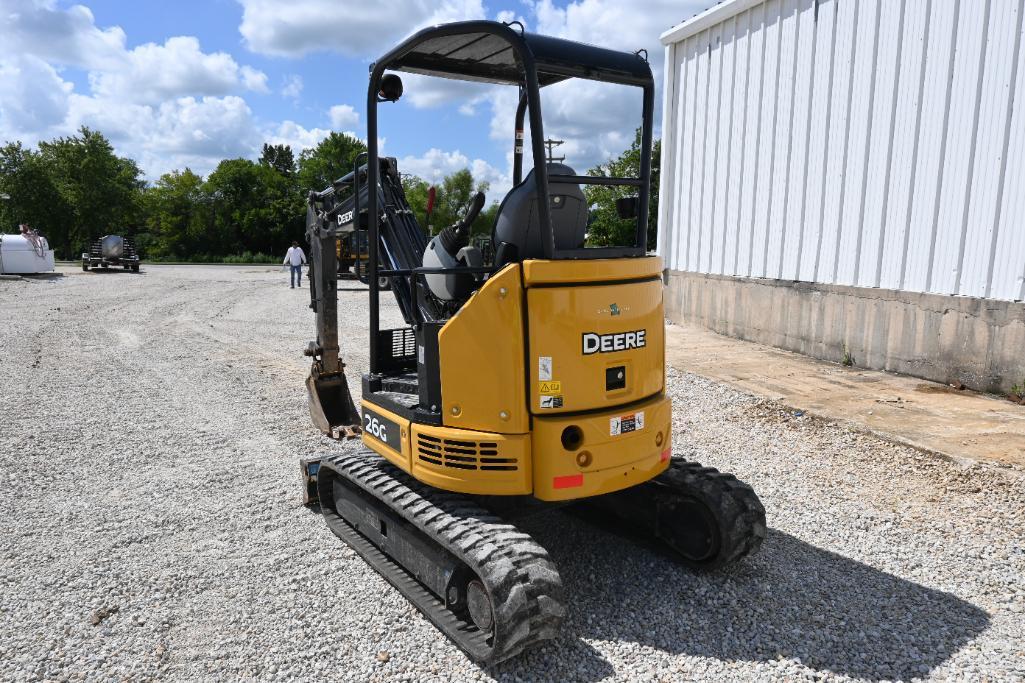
(21, 255)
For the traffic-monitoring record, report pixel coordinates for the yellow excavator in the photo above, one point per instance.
(532, 380)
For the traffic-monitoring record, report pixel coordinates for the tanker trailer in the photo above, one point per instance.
(111, 251)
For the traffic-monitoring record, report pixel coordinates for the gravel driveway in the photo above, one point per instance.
(150, 525)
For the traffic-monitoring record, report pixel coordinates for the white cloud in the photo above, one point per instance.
(33, 96)
(350, 27)
(166, 105)
(254, 79)
(153, 73)
(427, 92)
(295, 136)
(187, 131)
(205, 127)
(615, 25)
(171, 104)
(436, 164)
(67, 37)
(343, 116)
(293, 87)
(596, 120)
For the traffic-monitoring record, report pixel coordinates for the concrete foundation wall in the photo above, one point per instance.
(979, 342)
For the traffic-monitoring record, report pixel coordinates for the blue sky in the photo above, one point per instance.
(187, 83)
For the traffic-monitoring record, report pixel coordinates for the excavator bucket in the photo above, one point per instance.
(331, 405)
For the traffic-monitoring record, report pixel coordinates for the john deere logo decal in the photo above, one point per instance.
(609, 343)
(614, 309)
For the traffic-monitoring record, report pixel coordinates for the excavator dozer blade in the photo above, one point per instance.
(331, 405)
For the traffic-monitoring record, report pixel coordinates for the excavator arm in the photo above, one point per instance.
(331, 212)
(331, 406)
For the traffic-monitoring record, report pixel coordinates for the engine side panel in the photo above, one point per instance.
(482, 359)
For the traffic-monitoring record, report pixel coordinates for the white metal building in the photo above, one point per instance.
(875, 143)
(861, 143)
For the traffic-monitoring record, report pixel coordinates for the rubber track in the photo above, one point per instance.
(737, 508)
(522, 581)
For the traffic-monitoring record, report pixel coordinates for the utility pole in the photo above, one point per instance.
(552, 144)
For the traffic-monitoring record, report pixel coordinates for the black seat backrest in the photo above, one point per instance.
(519, 225)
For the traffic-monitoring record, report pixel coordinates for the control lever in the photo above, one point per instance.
(446, 251)
(476, 204)
(457, 236)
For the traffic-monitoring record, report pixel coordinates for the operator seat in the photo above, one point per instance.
(517, 232)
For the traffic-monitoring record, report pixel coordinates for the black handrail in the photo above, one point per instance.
(475, 270)
(594, 180)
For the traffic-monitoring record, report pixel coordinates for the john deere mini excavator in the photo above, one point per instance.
(534, 380)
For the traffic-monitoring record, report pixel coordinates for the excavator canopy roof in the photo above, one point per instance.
(494, 52)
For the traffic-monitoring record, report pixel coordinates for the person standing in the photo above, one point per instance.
(295, 258)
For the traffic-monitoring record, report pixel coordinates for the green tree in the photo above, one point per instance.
(251, 207)
(606, 227)
(417, 191)
(175, 211)
(331, 159)
(452, 197)
(28, 194)
(280, 158)
(101, 191)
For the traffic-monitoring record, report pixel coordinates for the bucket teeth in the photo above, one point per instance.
(331, 406)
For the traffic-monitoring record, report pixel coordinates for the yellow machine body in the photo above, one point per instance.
(552, 383)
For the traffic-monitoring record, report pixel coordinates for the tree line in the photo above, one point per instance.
(75, 189)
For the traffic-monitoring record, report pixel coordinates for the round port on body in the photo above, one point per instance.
(658, 439)
(572, 438)
(584, 459)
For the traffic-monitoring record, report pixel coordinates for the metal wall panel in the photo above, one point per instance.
(904, 148)
(734, 167)
(872, 143)
(755, 83)
(818, 141)
(839, 129)
(1007, 262)
(889, 43)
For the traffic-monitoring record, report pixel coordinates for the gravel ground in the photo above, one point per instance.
(150, 525)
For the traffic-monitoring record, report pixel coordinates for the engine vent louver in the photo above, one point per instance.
(463, 455)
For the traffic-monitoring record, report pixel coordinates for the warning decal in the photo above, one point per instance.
(625, 424)
(544, 368)
(551, 401)
(549, 388)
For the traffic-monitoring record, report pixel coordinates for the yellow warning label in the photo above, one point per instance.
(549, 388)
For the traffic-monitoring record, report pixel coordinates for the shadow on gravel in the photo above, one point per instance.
(791, 601)
(114, 271)
(38, 277)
